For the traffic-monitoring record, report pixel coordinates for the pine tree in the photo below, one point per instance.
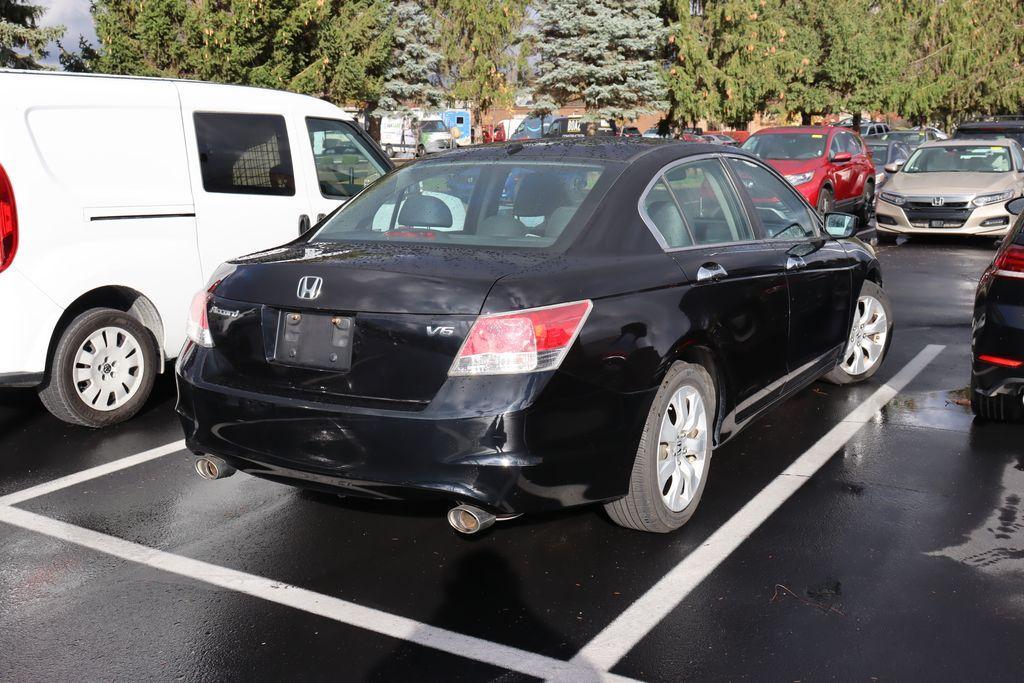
(22, 40)
(690, 78)
(604, 54)
(415, 59)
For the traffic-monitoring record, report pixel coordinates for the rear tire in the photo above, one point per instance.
(826, 200)
(872, 327)
(105, 351)
(1001, 408)
(867, 210)
(668, 458)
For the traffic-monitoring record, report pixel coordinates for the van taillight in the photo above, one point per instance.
(1010, 262)
(8, 221)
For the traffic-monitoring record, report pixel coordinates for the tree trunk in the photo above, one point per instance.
(373, 127)
(805, 118)
(856, 121)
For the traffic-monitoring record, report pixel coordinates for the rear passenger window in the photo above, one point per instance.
(244, 154)
(710, 207)
(783, 214)
(663, 212)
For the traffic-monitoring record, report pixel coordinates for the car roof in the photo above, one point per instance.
(970, 142)
(997, 125)
(598, 148)
(798, 129)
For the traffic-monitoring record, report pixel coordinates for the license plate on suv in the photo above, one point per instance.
(314, 340)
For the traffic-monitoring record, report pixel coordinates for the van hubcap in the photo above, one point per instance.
(867, 336)
(682, 448)
(108, 368)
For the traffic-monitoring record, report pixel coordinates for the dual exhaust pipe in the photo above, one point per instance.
(466, 519)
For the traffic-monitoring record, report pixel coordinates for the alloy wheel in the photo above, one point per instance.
(868, 335)
(682, 448)
(108, 368)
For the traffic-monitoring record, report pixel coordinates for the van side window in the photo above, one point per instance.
(244, 154)
(344, 165)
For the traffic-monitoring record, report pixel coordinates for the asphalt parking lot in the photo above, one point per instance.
(857, 532)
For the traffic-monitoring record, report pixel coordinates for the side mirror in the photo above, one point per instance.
(841, 225)
(1015, 206)
(842, 157)
(894, 167)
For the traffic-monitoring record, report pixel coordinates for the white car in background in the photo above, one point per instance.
(120, 196)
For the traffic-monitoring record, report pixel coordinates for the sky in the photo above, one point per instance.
(73, 14)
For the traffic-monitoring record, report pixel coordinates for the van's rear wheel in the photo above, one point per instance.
(672, 462)
(102, 371)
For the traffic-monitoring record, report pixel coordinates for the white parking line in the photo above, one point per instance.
(327, 606)
(629, 628)
(91, 473)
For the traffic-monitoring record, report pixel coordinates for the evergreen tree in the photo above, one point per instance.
(478, 40)
(603, 53)
(22, 40)
(690, 78)
(415, 59)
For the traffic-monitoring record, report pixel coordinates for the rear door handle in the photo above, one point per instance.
(711, 272)
(795, 263)
(303, 224)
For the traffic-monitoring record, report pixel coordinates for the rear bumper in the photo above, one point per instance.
(29, 318)
(567, 445)
(895, 220)
(998, 331)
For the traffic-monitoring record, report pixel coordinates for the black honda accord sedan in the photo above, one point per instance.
(997, 377)
(528, 327)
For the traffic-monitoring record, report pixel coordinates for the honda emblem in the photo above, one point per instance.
(309, 287)
(938, 201)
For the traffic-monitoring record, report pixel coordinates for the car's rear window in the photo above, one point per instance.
(960, 159)
(523, 204)
(1012, 133)
(796, 146)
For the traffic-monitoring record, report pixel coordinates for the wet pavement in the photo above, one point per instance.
(902, 557)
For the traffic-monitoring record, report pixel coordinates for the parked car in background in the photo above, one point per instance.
(631, 132)
(934, 133)
(654, 133)
(873, 128)
(432, 136)
(493, 133)
(829, 165)
(1003, 127)
(575, 126)
(997, 339)
(398, 134)
(459, 123)
(532, 128)
(719, 139)
(911, 138)
(952, 187)
(691, 137)
(112, 213)
(883, 153)
(590, 335)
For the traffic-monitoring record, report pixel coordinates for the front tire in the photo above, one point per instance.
(869, 339)
(102, 371)
(867, 209)
(674, 456)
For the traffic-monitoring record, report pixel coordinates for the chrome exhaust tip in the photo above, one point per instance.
(467, 519)
(211, 467)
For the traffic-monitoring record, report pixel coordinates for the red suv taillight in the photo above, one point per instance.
(1010, 261)
(531, 340)
(8, 221)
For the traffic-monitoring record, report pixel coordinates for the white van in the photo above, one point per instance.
(120, 196)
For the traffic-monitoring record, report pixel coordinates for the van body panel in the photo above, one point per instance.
(29, 316)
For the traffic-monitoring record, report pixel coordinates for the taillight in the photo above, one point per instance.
(198, 326)
(8, 221)
(1000, 361)
(1010, 261)
(532, 340)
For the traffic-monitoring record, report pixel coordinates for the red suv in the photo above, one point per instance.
(828, 165)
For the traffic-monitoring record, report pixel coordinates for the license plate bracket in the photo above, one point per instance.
(314, 340)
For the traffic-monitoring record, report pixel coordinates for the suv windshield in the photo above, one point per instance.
(960, 159)
(433, 127)
(523, 204)
(796, 146)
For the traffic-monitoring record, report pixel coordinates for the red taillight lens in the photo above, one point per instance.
(198, 326)
(8, 221)
(1000, 361)
(1010, 261)
(532, 340)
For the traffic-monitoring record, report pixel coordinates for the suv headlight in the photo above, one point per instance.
(986, 199)
(799, 178)
(892, 198)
